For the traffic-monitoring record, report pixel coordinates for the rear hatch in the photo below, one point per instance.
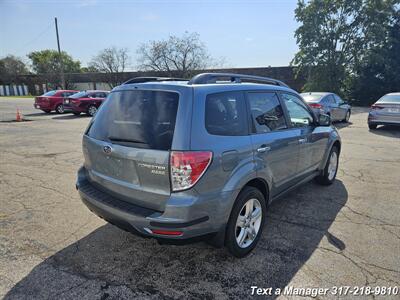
(41, 100)
(126, 148)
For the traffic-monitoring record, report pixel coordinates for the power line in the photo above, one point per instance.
(35, 38)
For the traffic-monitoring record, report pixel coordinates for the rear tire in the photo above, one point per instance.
(372, 126)
(329, 173)
(246, 222)
(91, 110)
(60, 109)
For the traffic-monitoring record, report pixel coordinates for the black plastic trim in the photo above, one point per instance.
(179, 225)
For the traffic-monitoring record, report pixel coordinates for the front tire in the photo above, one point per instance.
(329, 173)
(347, 117)
(372, 126)
(246, 222)
(60, 109)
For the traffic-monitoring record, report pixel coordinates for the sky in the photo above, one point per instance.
(252, 33)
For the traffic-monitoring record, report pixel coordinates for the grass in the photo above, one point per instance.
(17, 96)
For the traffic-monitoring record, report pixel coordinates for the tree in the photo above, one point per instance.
(10, 68)
(326, 37)
(112, 61)
(348, 46)
(377, 71)
(175, 55)
(47, 64)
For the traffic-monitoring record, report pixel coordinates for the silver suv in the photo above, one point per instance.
(177, 160)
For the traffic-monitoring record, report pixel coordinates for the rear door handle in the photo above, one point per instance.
(302, 141)
(263, 148)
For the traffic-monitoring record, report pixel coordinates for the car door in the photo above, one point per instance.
(275, 144)
(312, 141)
(342, 107)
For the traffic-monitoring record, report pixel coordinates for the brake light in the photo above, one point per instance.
(187, 167)
(374, 106)
(315, 105)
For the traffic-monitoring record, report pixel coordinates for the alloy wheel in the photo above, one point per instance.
(333, 163)
(248, 223)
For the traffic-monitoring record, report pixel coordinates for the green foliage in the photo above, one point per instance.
(349, 47)
(48, 64)
(10, 68)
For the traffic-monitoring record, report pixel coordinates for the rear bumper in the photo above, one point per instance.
(383, 119)
(43, 106)
(142, 221)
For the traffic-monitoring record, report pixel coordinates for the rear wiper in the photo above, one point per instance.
(114, 139)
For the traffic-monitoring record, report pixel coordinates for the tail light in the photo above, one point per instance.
(187, 167)
(374, 106)
(315, 105)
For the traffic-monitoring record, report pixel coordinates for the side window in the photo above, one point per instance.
(298, 112)
(225, 114)
(266, 112)
(338, 99)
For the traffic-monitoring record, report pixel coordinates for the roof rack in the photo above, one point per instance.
(149, 79)
(204, 78)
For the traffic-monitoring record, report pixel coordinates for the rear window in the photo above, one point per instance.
(50, 93)
(312, 97)
(390, 98)
(226, 114)
(79, 95)
(141, 119)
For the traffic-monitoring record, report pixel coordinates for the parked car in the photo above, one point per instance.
(330, 104)
(385, 111)
(53, 100)
(180, 160)
(85, 102)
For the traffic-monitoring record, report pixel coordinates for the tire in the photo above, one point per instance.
(76, 113)
(372, 126)
(329, 173)
(347, 117)
(60, 109)
(91, 110)
(234, 232)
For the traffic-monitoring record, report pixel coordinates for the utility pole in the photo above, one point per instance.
(60, 60)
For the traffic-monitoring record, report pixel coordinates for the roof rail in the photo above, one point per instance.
(204, 78)
(149, 79)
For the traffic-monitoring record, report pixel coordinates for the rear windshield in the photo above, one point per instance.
(312, 97)
(79, 95)
(50, 93)
(142, 119)
(390, 98)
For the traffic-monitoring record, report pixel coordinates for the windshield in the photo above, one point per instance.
(78, 95)
(50, 93)
(311, 97)
(143, 119)
(390, 98)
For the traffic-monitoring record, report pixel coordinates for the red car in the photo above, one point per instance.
(53, 100)
(85, 102)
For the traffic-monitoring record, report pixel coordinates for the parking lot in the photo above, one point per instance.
(52, 246)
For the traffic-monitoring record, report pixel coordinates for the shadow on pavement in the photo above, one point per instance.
(386, 130)
(69, 117)
(340, 125)
(109, 259)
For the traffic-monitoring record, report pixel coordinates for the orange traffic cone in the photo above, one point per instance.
(18, 117)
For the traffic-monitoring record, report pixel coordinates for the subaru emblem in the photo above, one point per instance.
(107, 149)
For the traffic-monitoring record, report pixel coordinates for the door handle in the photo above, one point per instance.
(302, 141)
(263, 149)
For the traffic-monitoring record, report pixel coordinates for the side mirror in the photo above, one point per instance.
(324, 120)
